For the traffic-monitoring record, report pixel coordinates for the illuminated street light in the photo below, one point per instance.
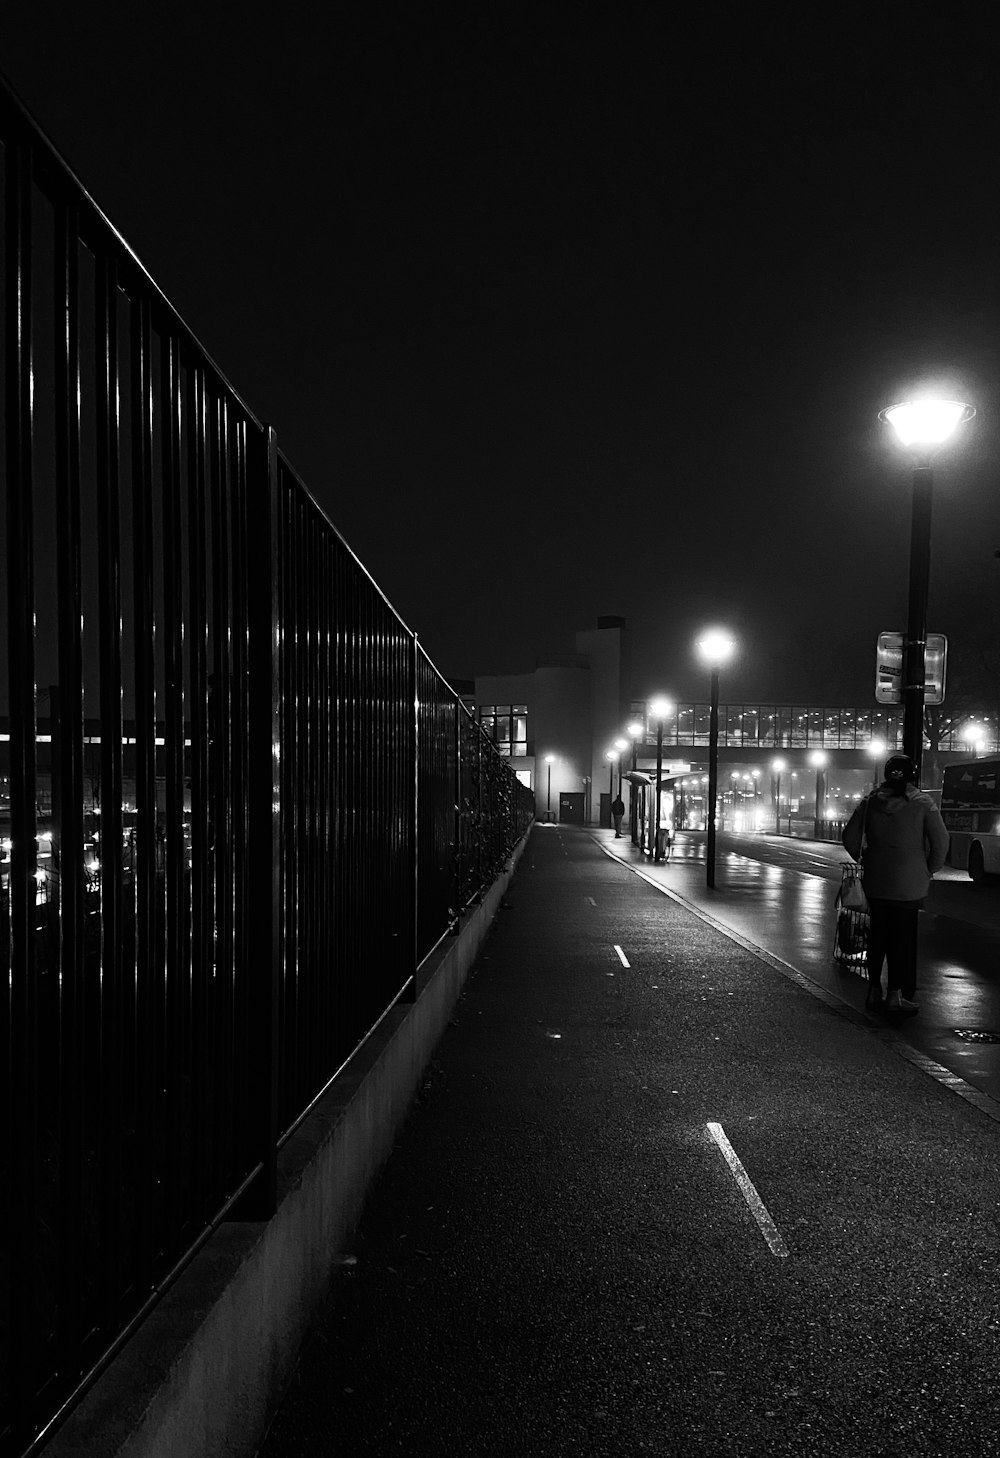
(716, 648)
(877, 750)
(974, 735)
(621, 745)
(548, 792)
(818, 759)
(921, 426)
(777, 768)
(659, 709)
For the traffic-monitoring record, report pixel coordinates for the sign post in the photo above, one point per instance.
(889, 659)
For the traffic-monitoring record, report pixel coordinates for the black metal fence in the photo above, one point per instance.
(238, 804)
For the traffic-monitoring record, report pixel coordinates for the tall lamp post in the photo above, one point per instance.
(659, 709)
(818, 759)
(548, 789)
(611, 756)
(716, 648)
(621, 745)
(777, 765)
(635, 732)
(922, 426)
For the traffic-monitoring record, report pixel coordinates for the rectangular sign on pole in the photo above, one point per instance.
(889, 668)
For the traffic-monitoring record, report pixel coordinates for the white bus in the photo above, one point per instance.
(970, 809)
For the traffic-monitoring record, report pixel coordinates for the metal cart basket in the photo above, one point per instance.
(850, 935)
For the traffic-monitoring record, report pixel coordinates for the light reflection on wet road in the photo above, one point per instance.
(779, 894)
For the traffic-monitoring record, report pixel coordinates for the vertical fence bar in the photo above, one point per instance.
(219, 722)
(264, 673)
(177, 1207)
(67, 773)
(109, 629)
(147, 975)
(203, 1124)
(22, 1102)
(241, 977)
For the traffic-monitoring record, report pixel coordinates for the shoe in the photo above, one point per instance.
(897, 1003)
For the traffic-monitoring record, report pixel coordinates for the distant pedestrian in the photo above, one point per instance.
(617, 811)
(905, 842)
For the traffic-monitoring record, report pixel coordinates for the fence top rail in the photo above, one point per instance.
(285, 466)
(49, 164)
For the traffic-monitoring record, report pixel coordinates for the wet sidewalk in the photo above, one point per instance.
(778, 894)
(558, 1258)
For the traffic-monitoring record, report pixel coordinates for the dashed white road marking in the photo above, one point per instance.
(591, 900)
(622, 957)
(757, 1207)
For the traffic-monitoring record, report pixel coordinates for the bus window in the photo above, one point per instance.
(970, 809)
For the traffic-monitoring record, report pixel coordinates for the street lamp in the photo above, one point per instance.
(658, 709)
(877, 749)
(777, 765)
(635, 731)
(716, 648)
(621, 745)
(548, 790)
(922, 426)
(818, 759)
(974, 735)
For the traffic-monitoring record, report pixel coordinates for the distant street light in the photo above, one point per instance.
(548, 792)
(621, 745)
(716, 648)
(818, 759)
(659, 710)
(974, 735)
(922, 426)
(877, 750)
(777, 766)
(635, 732)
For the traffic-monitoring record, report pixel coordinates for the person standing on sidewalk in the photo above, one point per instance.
(617, 811)
(905, 842)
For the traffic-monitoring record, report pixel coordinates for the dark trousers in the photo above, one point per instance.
(892, 938)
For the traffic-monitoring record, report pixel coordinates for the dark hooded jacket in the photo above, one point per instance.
(906, 843)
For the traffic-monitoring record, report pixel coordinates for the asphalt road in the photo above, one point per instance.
(559, 1259)
(779, 893)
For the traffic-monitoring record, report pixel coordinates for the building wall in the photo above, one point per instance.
(577, 706)
(559, 703)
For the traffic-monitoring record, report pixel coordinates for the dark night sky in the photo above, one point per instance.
(566, 310)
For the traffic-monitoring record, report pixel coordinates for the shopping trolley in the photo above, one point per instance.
(850, 935)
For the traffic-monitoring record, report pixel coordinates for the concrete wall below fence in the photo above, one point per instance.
(204, 1372)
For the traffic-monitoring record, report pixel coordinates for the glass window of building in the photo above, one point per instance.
(507, 726)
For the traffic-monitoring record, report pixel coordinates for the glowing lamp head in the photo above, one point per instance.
(660, 707)
(777, 765)
(716, 647)
(818, 758)
(612, 755)
(621, 744)
(549, 758)
(925, 424)
(877, 748)
(636, 730)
